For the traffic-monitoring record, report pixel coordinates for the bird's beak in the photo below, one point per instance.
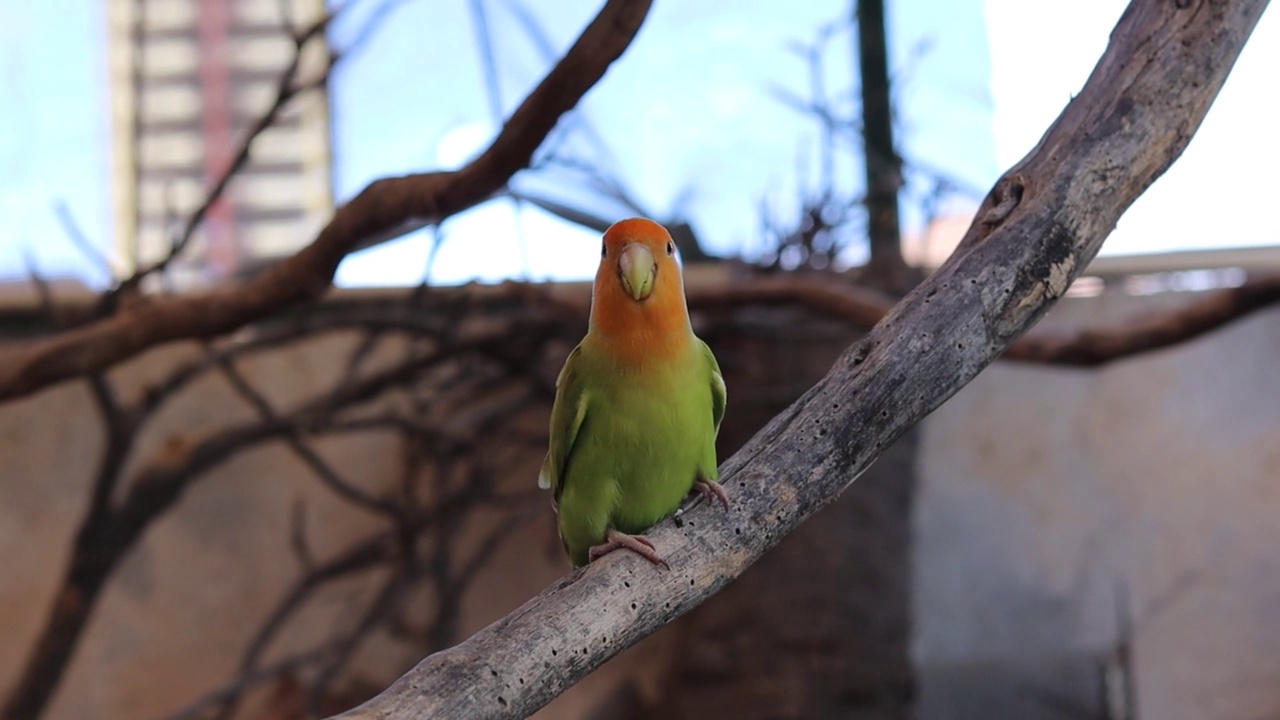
(637, 269)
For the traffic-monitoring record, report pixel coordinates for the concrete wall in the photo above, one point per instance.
(1058, 506)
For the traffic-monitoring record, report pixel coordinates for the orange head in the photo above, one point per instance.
(638, 299)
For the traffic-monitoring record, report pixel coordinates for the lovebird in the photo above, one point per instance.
(638, 404)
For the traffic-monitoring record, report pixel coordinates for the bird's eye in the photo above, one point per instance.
(604, 250)
(671, 248)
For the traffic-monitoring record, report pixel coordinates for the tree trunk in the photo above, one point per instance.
(820, 627)
(882, 165)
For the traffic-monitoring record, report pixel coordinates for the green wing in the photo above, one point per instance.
(718, 394)
(567, 414)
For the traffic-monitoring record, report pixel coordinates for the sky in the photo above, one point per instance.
(53, 135)
(687, 119)
(686, 113)
(1220, 193)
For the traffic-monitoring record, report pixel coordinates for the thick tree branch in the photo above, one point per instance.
(1041, 225)
(385, 209)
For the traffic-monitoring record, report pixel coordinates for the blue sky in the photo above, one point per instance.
(686, 113)
(686, 117)
(53, 134)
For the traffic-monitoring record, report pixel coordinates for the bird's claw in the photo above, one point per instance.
(637, 544)
(712, 491)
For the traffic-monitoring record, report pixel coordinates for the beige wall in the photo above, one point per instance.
(1053, 503)
(180, 610)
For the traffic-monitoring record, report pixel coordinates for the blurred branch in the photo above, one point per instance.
(830, 294)
(383, 606)
(595, 178)
(397, 549)
(826, 215)
(76, 234)
(85, 575)
(208, 703)
(488, 59)
(1094, 347)
(1035, 233)
(109, 530)
(304, 452)
(44, 291)
(1087, 348)
(386, 208)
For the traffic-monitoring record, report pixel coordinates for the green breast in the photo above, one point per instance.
(650, 431)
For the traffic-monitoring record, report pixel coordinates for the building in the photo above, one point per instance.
(188, 79)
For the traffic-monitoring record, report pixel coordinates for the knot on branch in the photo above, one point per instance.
(1005, 196)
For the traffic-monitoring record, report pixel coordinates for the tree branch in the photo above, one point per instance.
(836, 297)
(1090, 348)
(1086, 348)
(385, 209)
(1146, 97)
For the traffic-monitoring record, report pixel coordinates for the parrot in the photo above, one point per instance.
(638, 404)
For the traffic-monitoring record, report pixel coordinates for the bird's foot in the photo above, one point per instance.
(638, 544)
(712, 491)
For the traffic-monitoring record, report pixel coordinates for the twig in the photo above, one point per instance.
(248, 681)
(1091, 348)
(80, 240)
(44, 291)
(309, 457)
(298, 538)
(383, 606)
(360, 557)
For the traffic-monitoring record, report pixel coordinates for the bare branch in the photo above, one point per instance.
(1086, 348)
(202, 707)
(76, 234)
(303, 451)
(108, 533)
(90, 564)
(44, 291)
(389, 596)
(1138, 110)
(828, 294)
(359, 557)
(1090, 348)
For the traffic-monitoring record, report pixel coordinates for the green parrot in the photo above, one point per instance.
(638, 404)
